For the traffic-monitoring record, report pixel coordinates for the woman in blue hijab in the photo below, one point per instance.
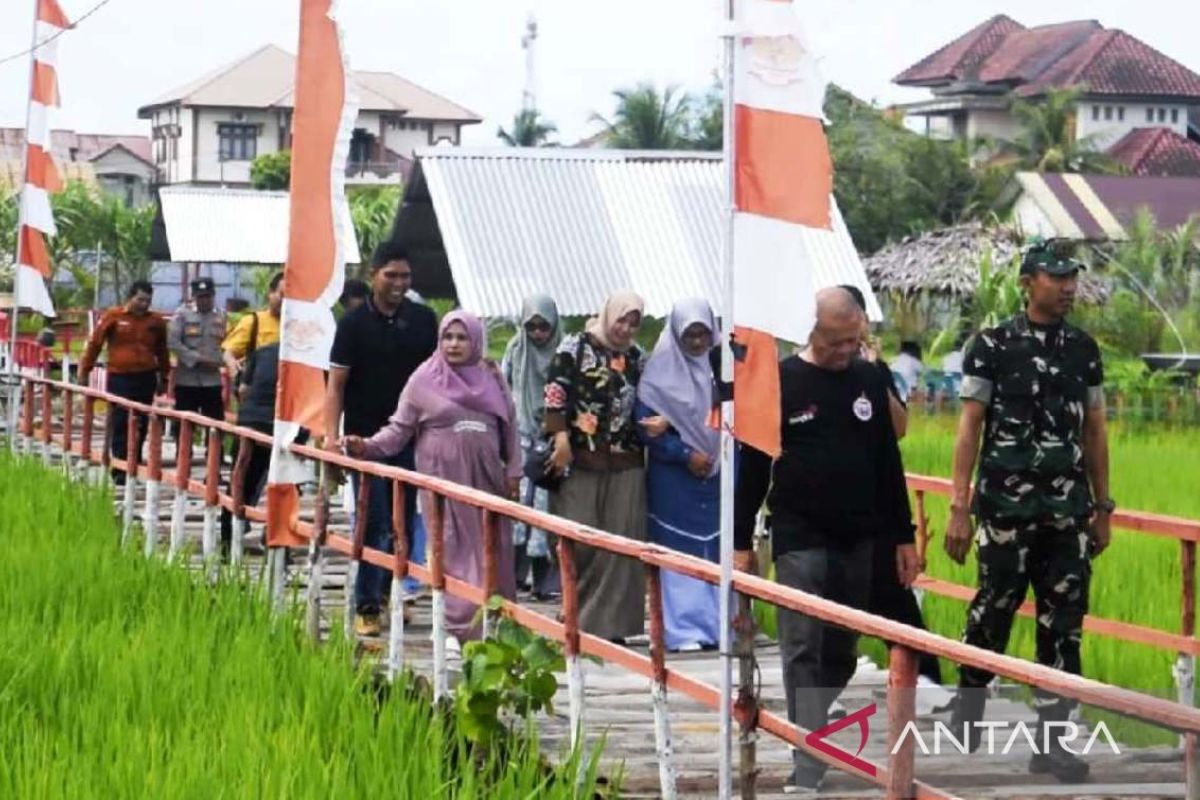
(676, 398)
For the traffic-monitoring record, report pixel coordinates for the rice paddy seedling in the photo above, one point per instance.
(122, 677)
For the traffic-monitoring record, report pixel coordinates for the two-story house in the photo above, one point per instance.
(1126, 85)
(210, 130)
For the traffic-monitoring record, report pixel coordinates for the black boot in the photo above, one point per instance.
(968, 710)
(1054, 759)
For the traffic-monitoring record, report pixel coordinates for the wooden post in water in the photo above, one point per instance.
(663, 748)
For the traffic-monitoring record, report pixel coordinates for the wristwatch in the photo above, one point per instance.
(1107, 506)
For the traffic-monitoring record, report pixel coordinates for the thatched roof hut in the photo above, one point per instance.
(946, 262)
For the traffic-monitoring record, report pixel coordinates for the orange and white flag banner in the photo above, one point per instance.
(322, 124)
(41, 174)
(783, 209)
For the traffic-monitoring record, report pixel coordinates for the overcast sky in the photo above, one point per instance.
(131, 51)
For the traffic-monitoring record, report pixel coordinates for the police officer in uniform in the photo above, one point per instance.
(194, 337)
(1032, 390)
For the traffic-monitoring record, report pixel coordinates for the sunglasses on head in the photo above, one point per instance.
(536, 325)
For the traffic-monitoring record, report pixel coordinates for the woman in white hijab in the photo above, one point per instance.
(598, 454)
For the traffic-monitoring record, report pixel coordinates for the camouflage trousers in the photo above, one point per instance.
(1052, 557)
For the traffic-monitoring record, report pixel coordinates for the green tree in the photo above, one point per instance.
(1047, 141)
(8, 237)
(709, 124)
(529, 129)
(373, 211)
(90, 223)
(272, 171)
(646, 119)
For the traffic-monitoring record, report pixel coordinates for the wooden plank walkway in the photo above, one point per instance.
(618, 708)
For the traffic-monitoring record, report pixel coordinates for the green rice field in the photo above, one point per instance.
(127, 678)
(1137, 580)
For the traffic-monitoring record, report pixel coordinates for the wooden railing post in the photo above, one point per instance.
(212, 507)
(658, 685)
(47, 430)
(437, 531)
(358, 536)
(923, 534)
(131, 473)
(395, 662)
(491, 569)
(237, 480)
(183, 474)
(27, 417)
(902, 711)
(570, 613)
(316, 552)
(746, 706)
(68, 432)
(153, 485)
(1185, 666)
(85, 437)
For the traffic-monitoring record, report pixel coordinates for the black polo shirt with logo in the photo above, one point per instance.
(380, 353)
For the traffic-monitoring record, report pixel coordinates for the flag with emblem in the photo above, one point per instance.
(36, 219)
(312, 277)
(782, 185)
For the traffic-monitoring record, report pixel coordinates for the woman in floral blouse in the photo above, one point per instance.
(590, 401)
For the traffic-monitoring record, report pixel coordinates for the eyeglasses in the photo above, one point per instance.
(537, 325)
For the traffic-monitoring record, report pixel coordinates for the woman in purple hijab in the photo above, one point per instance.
(459, 410)
(675, 399)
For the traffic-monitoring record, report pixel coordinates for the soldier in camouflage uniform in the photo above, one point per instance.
(1032, 387)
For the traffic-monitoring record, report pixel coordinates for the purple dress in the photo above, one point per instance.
(464, 446)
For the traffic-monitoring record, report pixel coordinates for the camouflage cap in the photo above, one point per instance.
(1051, 257)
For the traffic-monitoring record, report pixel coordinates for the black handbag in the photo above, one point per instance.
(537, 458)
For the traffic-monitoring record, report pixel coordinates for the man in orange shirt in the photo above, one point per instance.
(137, 360)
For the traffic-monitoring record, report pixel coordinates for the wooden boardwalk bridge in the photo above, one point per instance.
(617, 696)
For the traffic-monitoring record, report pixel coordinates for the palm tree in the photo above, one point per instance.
(1047, 141)
(529, 129)
(647, 120)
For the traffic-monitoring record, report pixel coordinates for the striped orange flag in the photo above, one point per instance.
(41, 173)
(312, 278)
(783, 180)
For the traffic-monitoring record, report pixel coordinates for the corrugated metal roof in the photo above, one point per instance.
(238, 226)
(580, 224)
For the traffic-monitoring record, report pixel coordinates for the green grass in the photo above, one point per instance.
(1138, 580)
(126, 678)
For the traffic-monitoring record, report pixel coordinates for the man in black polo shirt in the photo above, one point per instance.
(835, 494)
(375, 351)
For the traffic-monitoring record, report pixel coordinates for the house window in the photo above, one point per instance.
(1149, 115)
(1108, 113)
(1095, 113)
(1162, 115)
(1174, 115)
(238, 142)
(1120, 113)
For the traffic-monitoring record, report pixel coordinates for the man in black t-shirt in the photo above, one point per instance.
(377, 348)
(836, 493)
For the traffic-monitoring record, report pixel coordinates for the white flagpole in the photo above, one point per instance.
(725, 779)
